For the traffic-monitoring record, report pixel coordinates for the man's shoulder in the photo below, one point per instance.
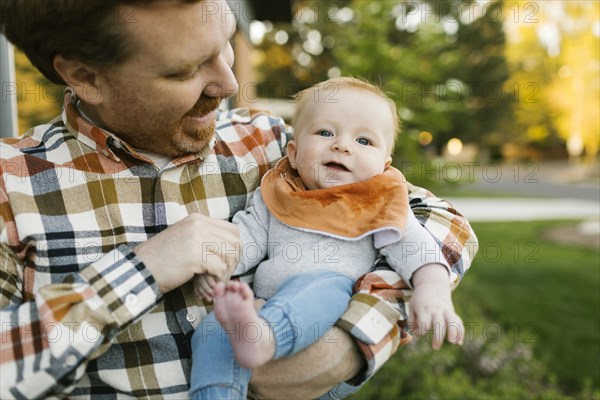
(32, 138)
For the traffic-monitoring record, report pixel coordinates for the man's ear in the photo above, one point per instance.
(81, 77)
(291, 152)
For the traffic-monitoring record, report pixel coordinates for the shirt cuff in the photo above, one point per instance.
(368, 318)
(376, 306)
(124, 284)
(377, 318)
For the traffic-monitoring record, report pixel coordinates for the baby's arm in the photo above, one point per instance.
(418, 259)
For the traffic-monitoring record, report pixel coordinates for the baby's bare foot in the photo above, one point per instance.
(248, 333)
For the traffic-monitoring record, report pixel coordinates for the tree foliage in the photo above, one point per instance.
(489, 73)
(445, 71)
(38, 100)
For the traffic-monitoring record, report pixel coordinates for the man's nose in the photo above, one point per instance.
(221, 81)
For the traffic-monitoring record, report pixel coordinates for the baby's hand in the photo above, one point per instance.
(204, 285)
(431, 307)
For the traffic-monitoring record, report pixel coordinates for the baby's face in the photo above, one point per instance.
(344, 137)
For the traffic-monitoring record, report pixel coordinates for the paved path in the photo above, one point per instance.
(544, 191)
(550, 179)
(525, 209)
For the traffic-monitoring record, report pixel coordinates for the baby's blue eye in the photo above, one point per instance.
(363, 141)
(325, 133)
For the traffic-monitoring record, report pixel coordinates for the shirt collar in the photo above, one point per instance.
(86, 132)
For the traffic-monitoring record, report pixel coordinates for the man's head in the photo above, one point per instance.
(150, 71)
(344, 132)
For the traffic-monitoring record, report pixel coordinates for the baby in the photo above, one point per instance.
(321, 217)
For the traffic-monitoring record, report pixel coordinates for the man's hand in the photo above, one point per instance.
(431, 307)
(195, 245)
(204, 284)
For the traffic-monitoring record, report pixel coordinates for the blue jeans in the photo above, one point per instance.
(303, 309)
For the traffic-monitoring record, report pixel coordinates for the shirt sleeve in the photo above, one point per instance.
(253, 224)
(416, 249)
(378, 312)
(48, 341)
(449, 228)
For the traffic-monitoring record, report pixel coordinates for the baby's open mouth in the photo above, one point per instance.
(338, 166)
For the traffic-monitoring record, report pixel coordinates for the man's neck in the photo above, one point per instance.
(89, 113)
(91, 116)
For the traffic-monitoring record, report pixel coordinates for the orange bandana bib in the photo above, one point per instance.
(349, 211)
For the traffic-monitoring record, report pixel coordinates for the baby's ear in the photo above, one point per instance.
(291, 152)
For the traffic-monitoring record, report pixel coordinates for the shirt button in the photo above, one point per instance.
(191, 317)
(71, 360)
(376, 322)
(113, 143)
(131, 299)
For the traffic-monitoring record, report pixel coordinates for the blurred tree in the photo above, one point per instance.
(442, 63)
(575, 87)
(531, 74)
(38, 100)
(292, 57)
(555, 64)
(483, 66)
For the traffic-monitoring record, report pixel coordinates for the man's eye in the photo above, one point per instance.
(325, 133)
(183, 76)
(363, 141)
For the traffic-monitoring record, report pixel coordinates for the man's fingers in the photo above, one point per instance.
(211, 281)
(221, 231)
(203, 285)
(216, 267)
(224, 240)
(201, 291)
(198, 289)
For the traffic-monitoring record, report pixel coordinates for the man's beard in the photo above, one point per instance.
(174, 139)
(191, 139)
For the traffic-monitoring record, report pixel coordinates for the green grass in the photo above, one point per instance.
(551, 291)
(533, 308)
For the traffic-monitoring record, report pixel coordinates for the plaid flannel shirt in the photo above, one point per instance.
(80, 315)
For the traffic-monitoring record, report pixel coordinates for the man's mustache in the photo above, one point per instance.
(204, 105)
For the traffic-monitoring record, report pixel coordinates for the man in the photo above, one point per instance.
(110, 210)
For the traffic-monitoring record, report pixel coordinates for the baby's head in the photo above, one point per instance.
(344, 132)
